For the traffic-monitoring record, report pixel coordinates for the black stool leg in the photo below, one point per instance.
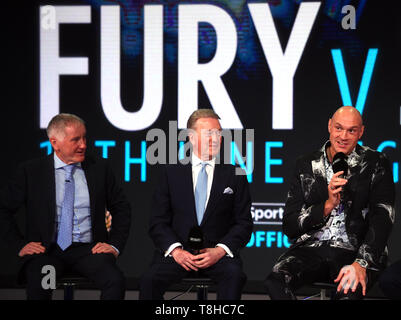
(69, 292)
(202, 292)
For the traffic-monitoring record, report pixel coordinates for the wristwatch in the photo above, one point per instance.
(363, 263)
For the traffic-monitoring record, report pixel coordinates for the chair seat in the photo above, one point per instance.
(204, 281)
(324, 285)
(71, 278)
(72, 281)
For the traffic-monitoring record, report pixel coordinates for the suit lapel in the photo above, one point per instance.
(49, 184)
(90, 176)
(188, 191)
(319, 172)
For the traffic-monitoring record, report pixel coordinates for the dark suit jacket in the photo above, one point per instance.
(34, 188)
(369, 202)
(227, 217)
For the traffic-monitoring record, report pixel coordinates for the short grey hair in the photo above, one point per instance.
(58, 123)
(201, 113)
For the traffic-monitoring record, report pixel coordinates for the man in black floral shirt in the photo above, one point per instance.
(339, 222)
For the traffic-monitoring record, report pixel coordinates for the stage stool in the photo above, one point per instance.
(69, 281)
(201, 284)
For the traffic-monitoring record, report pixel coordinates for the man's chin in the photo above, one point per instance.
(214, 151)
(213, 154)
(346, 149)
(79, 158)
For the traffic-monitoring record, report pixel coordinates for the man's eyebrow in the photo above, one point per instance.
(337, 123)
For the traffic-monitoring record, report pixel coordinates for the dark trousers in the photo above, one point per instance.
(304, 265)
(100, 268)
(226, 273)
(390, 281)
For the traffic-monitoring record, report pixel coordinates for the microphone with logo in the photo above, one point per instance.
(340, 164)
(195, 240)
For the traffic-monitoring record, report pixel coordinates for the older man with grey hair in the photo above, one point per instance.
(66, 195)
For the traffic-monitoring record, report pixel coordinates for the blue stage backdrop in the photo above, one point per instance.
(277, 68)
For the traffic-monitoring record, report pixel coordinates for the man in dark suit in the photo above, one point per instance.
(66, 195)
(205, 194)
(339, 222)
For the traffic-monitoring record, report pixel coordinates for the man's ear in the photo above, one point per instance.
(329, 125)
(362, 131)
(53, 142)
(191, 136)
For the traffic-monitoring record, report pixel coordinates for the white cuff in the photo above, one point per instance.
(171, 248)
(229, 253)
(118, 252)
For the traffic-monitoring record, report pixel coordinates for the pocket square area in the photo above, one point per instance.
(228, 190)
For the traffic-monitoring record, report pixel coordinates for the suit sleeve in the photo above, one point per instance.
(241, 227)
(381, 214)
(161, 215)
(299, 217)
(12, 197)
(120, 211)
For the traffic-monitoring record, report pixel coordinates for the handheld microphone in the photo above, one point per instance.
(195, 240)
(340, 164)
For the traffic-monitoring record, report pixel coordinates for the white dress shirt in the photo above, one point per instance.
(196, 167)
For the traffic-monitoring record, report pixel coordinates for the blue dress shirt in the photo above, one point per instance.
(82, 226)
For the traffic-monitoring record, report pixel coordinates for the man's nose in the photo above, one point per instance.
(215, 138)
(344, 134)
(82, 143)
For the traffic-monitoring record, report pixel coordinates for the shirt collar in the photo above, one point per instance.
(196, 161)
(327, 144)
(60, 164)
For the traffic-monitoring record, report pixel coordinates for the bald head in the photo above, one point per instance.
(345, 128)
(349, 112)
